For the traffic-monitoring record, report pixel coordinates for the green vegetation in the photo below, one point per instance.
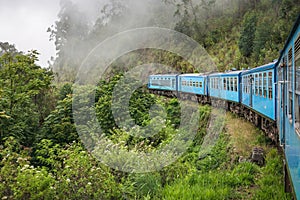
(56, 165)
(42, 156)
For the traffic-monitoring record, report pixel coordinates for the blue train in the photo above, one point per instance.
(268, 96)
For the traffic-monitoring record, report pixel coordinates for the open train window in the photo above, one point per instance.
(265, 85)
(297, 84)
(290, 82)
(260, 84)
(244, 83)
(228, 86)
(247, 84)
(270, 85)
(235, 84)
(256, 84)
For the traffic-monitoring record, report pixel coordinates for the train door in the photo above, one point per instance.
(251, 91)
(281, 102)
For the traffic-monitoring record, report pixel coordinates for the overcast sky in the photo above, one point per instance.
(25, 22)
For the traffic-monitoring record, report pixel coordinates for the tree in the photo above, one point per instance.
(246, 41)
(262, 35)
(5, 47)
(24, 89)
(59, 125)
(193, 18)
(69, 34)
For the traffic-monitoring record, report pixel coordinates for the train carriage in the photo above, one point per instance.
(225, 86)
(288, 106)
(258, 90)
(192, 83)
(163, 82)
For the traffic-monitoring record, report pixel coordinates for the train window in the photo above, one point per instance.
(265, 85)
(231, 84)
(245, 83)
(249, 83)
(290, 80)
(260, 84)
(270, 85)
(194, 84)
(297, 84)
(200, 84)
(224, 82)
(215, 83)
(215, 79)
(228, 84)
(256, 84)
(235, 84)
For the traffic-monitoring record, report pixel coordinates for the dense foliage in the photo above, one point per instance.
(42, 156)
(25, 96)
(56, 165)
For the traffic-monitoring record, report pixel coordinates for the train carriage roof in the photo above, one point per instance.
(230, 73)
(260, 68)
(193, 75)
(163, 75)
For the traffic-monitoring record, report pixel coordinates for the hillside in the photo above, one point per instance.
(148, 146)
